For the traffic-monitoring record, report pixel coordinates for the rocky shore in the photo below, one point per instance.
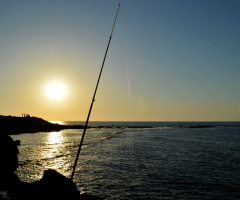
(16, 125)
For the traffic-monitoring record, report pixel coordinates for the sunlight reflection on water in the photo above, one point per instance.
(58, 122)
(55, 138)
(54, 150)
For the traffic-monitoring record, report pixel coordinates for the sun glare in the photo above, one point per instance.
(56, 90)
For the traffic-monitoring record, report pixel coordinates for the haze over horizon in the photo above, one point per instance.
(168, 60)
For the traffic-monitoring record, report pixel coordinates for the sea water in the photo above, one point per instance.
(140, 160)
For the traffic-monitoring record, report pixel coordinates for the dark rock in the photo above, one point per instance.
(15, 125)
(86, 196)
(55, 186)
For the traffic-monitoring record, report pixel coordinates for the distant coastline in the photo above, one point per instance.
(16, 125)
(12, 125)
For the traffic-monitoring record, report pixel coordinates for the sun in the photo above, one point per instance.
(56, 90)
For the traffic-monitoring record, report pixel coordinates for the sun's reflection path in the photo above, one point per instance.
(58, 122)
(54, 153)
(55, 138)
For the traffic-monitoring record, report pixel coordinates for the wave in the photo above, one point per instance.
(110, 136)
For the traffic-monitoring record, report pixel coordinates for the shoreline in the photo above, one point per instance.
(13, 125)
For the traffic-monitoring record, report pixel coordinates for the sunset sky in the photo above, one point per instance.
(169, 60)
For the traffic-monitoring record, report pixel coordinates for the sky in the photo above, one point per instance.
(168, 60)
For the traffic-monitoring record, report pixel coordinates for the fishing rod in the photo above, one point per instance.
(93, 99)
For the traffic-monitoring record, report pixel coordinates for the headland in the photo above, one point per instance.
(16, 125)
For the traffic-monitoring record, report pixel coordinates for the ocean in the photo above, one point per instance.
(140, 160)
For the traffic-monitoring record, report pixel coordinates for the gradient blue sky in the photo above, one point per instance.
(180, 58)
